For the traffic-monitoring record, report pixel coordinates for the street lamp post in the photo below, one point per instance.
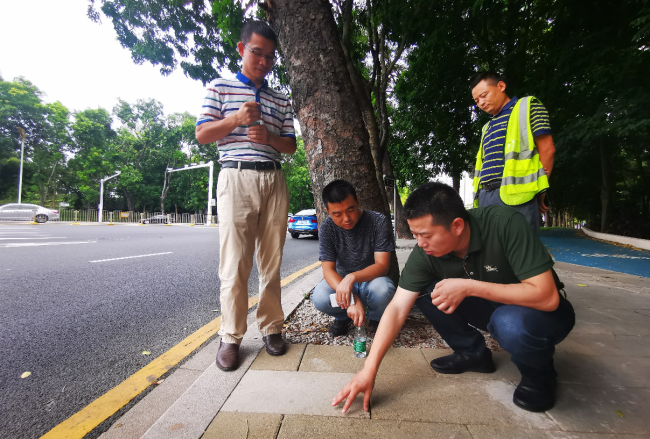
(210, 164)
(22, 152)
(101, 194)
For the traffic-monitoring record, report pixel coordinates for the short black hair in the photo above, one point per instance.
(439, 200)
(337, 191)
(258, 27)
(490, 76)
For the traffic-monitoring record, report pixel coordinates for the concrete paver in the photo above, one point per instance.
(243, 425)
(339, 359)
(490, 432)
(602, 410)
(297, 393)
(603, 371)
(456, 401)
(315, 427)
(606, 344)
(289, 361)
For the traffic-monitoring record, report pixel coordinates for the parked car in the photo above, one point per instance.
(26, 211)
(159, 219)
(304, 223)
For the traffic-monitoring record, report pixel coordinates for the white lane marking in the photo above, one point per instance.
(39, 237)
(36, 244)
(131, 257)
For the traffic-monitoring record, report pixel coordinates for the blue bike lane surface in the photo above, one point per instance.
(574, 247)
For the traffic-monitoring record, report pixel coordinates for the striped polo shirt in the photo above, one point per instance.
(225, 96)
(494, 141)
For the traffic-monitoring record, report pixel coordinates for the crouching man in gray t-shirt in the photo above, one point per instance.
(355, 248)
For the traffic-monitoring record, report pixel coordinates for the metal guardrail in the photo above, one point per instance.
(119, 216)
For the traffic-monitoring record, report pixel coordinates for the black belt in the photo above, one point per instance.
(491, 185)
(258, 166)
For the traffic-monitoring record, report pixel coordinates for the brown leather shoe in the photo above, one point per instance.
(228, 356)
(275, 344)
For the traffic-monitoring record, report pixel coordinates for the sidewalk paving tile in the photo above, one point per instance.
(490, 432)
(289, 361)
(297, 393)
(603, 371)
(334, 359)
(506, 370)
(134, 423)
(190, 415)
(611, 299)
(606, 344)
(602, 410)
(597, 321)
(243, 425)
(401, 361)
(315, 427)
(456, 401)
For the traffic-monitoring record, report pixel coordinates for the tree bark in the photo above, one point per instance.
(402, 226)
(335, 136)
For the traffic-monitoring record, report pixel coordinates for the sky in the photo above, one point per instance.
(80, 63)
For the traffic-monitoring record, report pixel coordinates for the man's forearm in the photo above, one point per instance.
(332, 278)
(389, 326)
(546, 150)
(286, 145)
(215, 130)
(541, 295)
(370, 273)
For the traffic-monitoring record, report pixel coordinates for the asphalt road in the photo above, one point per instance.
(80, 327)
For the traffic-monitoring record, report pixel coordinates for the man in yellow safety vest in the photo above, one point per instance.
(516, 153)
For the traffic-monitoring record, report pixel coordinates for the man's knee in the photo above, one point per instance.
(381, 289)
(321, 296)
(517, 328)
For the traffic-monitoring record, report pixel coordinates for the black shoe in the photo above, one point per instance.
(339, 327)
(459, 363)
(534, 397)
(373, 324)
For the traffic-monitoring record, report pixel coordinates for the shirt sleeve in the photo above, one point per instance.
(287, 125)
(539, 119)
(326, 247)
(418, 272)
(384, 239)
(212, 106)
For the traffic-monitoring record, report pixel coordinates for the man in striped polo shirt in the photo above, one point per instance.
(252, 125)
(489, 93)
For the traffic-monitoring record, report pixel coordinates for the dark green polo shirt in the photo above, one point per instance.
(502, 250)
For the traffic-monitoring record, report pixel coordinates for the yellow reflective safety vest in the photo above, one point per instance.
(523, 172)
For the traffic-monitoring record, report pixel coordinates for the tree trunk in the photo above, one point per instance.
(607, 189)
(336, 139)
(402, 226)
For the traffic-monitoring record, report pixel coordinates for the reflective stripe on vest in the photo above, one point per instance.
(523, 173)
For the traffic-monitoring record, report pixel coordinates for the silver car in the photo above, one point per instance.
(26, 211)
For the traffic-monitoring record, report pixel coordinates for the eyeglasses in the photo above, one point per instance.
(269, 58)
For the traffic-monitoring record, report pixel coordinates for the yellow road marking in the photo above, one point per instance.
(84, 421)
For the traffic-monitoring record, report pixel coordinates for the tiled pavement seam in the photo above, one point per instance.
(168, 403)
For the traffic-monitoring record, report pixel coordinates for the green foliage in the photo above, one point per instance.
(296, 171)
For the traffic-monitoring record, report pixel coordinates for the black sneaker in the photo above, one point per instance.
(339, 327)
(460, 363)
(535, 396)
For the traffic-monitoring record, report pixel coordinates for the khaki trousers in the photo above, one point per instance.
(252, 207)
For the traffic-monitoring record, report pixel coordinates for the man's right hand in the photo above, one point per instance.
(344, 290)
(362, 382)
(248, 113)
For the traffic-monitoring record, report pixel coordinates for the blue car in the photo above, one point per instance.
(304, 223)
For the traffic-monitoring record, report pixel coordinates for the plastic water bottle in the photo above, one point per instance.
(360, 342)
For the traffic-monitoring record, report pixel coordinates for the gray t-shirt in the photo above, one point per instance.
(354, 250)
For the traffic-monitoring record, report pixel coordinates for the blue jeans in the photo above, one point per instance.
(375, 295)
(529, 335)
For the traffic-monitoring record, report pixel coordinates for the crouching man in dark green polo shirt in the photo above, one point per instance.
(483, 268)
